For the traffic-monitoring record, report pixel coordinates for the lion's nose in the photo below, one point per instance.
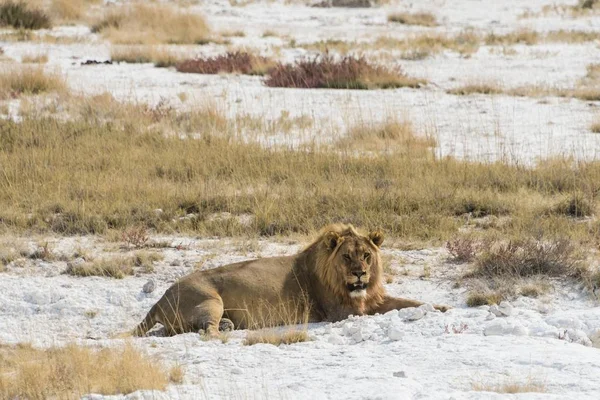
(358, 274)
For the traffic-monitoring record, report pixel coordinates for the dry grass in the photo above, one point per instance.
(394, 135)
(146, 259)
(529, 257)
(34, 59)
(232, 62)
(73, 371)
(276, 337)
(117, 267)
(20, 15)
(595, 126)
(71, 10)
(326, 71)
(29, 80)
(196, 163)
(150, 24)
(483, 298)
(420, 18)
(530, 386)
(160, 56)
(477, 88)
(414, 47)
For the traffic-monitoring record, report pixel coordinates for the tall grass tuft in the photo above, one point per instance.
(20, 16)
(140, 23)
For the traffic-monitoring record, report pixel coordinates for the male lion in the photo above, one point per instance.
(337, 275)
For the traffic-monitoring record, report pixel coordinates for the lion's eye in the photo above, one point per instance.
(347, 257)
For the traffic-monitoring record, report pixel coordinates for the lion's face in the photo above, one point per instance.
(355, 258)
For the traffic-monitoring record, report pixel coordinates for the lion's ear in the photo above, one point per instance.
(376, 237)
(331, 240)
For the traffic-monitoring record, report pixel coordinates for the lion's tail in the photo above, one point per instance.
(146, 324)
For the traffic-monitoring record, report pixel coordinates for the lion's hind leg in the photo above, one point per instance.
(207, 316)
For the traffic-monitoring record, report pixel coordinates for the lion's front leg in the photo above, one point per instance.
(397, 303)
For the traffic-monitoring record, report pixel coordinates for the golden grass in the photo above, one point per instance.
(393, 134)
(276, 337)
(198, 163)
(73, 371)
(160, 56)
(419, 18)
(71, 10)
(34, 59)
(595, 126)
(150, 24)
(29, 80)
(413, 47)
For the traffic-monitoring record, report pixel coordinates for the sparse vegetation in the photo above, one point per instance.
(419, 18)
(34, 59)
(141, 23)
(511, 387)
(478, 88)
(28, 80)
(529, 257)
(276, 337)
(117, 267)
(73, 371)
(325, 71)
(19, 15)
(411, 195)
(393, 134)
(231, 62)
(477, 298)
(161, 57)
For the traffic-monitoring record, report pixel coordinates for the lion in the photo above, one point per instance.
(338, 275)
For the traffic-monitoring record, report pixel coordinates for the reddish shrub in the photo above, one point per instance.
(350, 72)
(231, 62)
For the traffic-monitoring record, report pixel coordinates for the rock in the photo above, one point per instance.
(395, 332)
(149, 286)
(176, 263)
(506, 308)
(237, 371)
(400, 374)
(496, 327)
(490, 317)
(427, 308)
(416, 314)
(79, 261)
(520, 330)
(496, 311)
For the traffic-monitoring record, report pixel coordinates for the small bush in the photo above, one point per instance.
(462, 249)
(421, 18)
(231, 62)
(146, 260)
(576, 206)
(20, 16)
(73, 371)
(349, 72)
(276, 337)
(476, 298)
(528, 257)
(595, 127)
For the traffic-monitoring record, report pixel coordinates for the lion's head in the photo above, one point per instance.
(349, 263)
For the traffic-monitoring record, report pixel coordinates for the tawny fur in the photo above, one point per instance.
(310, 286)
